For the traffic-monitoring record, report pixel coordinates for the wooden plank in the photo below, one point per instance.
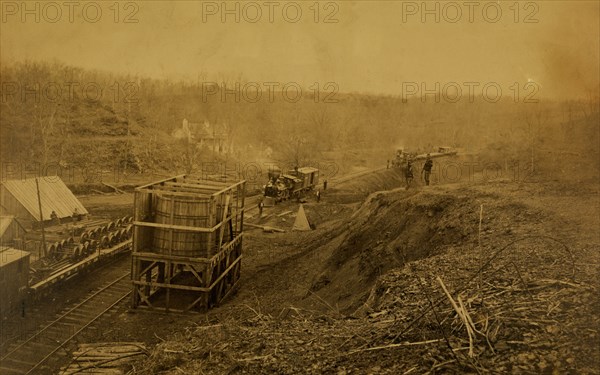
(197, 185)
(237, 260)
(167, 192)
(225, 211)
(176, 189)
(172, 286)
(176, 258)
(192, 187)
(180, 227)
(243, 182)
(176, 227)
(160, 181)
(204, 181)
(110, 344)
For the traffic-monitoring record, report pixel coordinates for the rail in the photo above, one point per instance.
(25, 357)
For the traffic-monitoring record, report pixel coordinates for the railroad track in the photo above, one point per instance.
(347, 177)
(30, 355)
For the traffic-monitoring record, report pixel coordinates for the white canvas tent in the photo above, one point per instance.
(301, 222)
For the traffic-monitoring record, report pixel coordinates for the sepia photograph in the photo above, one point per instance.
(299, 187)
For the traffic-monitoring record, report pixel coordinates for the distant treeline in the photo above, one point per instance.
(54, 113)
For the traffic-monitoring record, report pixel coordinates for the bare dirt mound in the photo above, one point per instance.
(396, 227)
(389, 230)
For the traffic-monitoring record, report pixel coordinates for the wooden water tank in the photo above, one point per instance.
(185, 211)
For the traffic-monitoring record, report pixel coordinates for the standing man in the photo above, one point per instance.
(260, 208)
(54, 218)
(426, 172)
(318, 196)
(408, 173)
(325, 184)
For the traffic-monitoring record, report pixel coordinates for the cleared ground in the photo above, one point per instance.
(361, 294)
(364, 291)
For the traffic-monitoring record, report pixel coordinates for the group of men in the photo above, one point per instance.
(425, 172)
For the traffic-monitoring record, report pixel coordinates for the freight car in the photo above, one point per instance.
(292, 184)
(30, 274)
(14, 273)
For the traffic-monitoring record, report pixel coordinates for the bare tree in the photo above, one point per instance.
(535, 120)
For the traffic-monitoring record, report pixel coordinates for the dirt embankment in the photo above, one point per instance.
(388, 231)
(357, 189)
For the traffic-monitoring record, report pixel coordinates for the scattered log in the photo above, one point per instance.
(265, 228)
(104, 358)
(114, 188)
(272, 229)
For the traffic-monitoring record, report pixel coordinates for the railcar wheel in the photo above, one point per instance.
(59, 250)
(76, 252)
(104, 242)
(51, 250)
(93, 246)
(86, 248)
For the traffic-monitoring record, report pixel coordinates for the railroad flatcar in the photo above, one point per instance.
(28, 275)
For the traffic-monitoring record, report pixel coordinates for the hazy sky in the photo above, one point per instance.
(373, 47)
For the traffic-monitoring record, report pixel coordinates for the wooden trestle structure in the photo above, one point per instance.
(187, 243)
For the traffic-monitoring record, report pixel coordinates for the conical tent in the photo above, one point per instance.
(301, 222)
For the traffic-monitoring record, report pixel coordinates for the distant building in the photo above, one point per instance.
(19, 198)
(12, 233)
(205, 135)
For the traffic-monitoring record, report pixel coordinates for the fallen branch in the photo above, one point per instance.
(461, 313)
(114, 188)
(265, 228)
(105, 362)
(395, 346)
(437, 319)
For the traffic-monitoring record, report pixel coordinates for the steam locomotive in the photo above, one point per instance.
(293, 184)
